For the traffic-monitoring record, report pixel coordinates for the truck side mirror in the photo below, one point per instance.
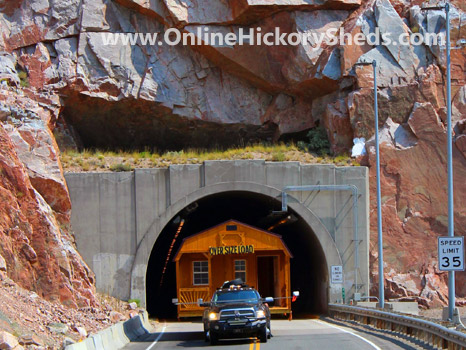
(201, 303)
(268, 300)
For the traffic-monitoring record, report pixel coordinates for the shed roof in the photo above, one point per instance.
(224, 235)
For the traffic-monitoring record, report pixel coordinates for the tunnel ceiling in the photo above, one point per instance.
(308, 267)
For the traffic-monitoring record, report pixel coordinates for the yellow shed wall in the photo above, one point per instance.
(221, 267)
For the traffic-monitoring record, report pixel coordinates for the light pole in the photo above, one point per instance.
(379, 192)
(451, 228)
(379, 195)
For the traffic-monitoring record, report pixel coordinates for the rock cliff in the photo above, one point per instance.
(36, 248)
(56, 67)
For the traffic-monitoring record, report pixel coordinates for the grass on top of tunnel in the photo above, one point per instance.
(98, 160)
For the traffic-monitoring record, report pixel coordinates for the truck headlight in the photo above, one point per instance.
(260, 314)
(213, 316)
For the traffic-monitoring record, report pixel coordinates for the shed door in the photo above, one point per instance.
(267, 275)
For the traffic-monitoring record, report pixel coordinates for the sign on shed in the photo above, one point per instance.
(451, 253)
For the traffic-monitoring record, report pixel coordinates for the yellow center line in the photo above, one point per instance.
(256, 343)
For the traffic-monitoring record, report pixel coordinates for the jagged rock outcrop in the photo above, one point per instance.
(172, 97)
(28, 121)
(37, 250)
(413, 204)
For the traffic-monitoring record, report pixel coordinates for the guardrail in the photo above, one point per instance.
(429, 332)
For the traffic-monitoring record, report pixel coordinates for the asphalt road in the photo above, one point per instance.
(297, 334)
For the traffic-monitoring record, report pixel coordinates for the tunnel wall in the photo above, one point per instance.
(117, 217)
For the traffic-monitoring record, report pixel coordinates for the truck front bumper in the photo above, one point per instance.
(237, 328)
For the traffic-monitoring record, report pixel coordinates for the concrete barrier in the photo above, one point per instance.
(98, 342)
(119, 335)
(77, 346)
(107, 338)
(90, 345)
(134, 328)
(116, 336)
(406, 307)
(146, 323)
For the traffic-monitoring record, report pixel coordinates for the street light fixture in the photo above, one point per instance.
(379, 195)
(460, 43)
(451, 229)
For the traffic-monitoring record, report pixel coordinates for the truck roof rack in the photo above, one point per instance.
(237, 283)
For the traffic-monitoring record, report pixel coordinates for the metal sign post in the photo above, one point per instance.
(379, 195)
(451, 228)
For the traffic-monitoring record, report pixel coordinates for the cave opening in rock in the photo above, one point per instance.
(144, 125)
(308, 266)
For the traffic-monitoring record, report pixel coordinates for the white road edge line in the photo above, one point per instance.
(346, 331)
(158, 338)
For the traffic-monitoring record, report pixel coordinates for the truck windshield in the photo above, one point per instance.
(245, 296)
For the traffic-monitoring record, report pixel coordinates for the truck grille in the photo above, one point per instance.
(232, 314)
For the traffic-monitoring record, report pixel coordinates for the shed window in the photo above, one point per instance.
(240, 269)
(200, 273)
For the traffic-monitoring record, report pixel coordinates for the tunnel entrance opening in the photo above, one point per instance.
(308, 266)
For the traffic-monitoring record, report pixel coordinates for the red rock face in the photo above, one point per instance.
(414, 209)
(35, 145)
(37, 254)
(9, 7)
(414, 212)
(193, 95)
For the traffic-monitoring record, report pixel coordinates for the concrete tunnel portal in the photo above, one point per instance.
(308, 266)
(125, 222)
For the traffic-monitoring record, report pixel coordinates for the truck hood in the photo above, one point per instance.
(220, 307)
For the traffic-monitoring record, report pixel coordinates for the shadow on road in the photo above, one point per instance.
(191, 339)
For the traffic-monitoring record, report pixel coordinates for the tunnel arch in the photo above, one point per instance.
(307, 221)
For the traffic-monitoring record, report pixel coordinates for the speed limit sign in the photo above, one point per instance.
(451, 253)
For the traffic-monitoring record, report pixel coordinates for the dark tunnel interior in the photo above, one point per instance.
(308, 266)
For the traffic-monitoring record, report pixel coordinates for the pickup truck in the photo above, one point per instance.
(236, 311)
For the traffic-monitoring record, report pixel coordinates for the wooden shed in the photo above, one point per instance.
(228, 251)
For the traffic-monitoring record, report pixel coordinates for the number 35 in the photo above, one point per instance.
(456, 261)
